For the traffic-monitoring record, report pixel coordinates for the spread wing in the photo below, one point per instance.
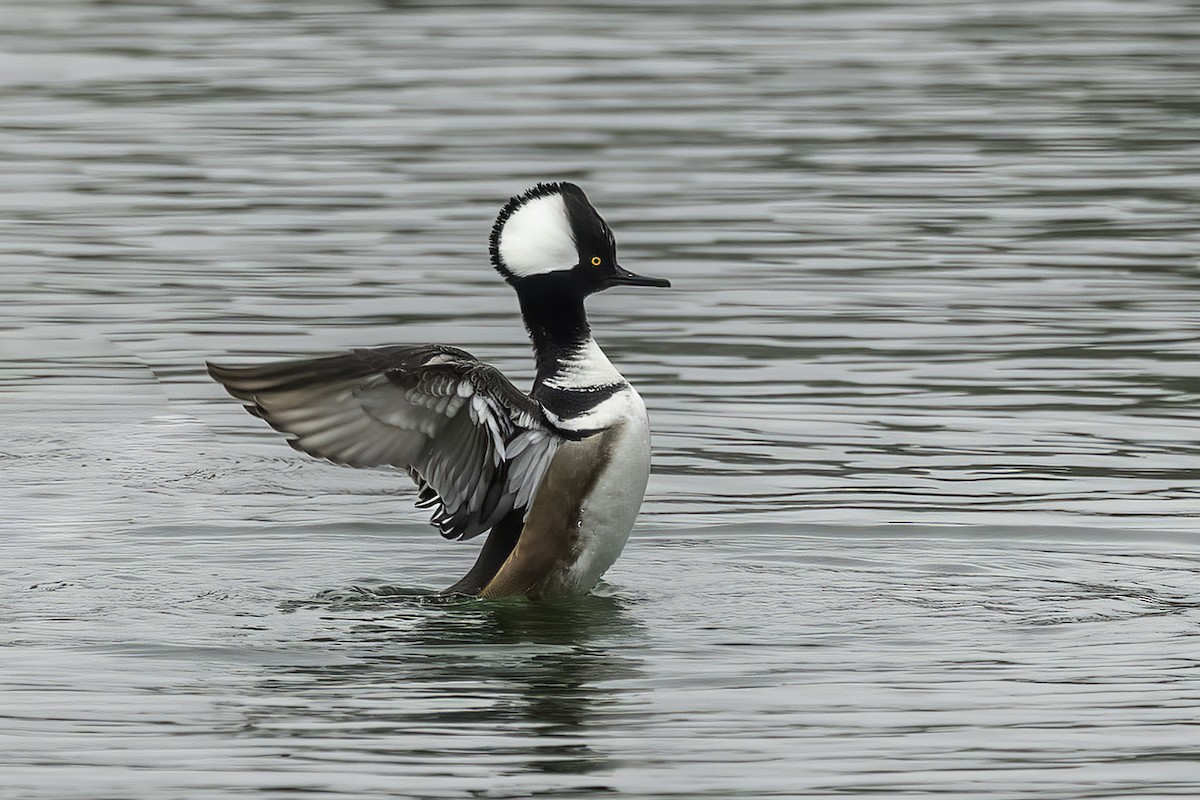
(475, 445)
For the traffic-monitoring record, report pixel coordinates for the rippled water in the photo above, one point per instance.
(924, 517)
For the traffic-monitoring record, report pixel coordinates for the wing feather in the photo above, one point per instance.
(475, 445)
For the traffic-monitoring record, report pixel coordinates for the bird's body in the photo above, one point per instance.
(583, 512)
(556, 476)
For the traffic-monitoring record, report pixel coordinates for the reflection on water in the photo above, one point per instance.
(547, 674)
(923, 517)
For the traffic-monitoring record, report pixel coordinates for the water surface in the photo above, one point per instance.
(924, 515)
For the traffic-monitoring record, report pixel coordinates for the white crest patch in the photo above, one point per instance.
(537, 238)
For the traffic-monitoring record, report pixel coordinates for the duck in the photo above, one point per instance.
(555, 477)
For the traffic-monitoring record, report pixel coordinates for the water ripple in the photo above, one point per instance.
(924, 506)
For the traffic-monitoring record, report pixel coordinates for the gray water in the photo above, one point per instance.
(925, 515)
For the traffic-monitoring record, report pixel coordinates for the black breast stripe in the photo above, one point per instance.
(567, 403)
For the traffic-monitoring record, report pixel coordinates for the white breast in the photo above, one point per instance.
(584, 366)
(586, 369)
(610, 508)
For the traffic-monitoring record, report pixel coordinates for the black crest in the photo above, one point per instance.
(591, 233)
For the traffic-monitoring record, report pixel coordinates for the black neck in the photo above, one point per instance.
(556, 320)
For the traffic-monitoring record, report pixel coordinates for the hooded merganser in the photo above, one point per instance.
(557, 475)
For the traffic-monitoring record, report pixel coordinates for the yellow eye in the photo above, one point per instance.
(595, 261)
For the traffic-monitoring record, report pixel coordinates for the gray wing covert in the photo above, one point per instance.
(475, 445)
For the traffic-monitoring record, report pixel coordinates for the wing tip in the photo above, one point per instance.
(233, 379)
